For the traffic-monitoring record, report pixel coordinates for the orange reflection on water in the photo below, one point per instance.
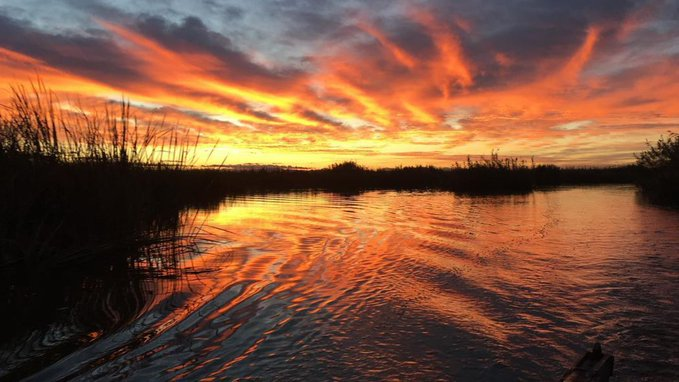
(419, 286)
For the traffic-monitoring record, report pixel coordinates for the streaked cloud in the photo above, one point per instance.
(280, 81)
(575, 125)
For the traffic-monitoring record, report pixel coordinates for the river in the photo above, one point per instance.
(389, 285)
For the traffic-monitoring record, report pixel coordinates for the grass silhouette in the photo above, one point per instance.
(83, 184)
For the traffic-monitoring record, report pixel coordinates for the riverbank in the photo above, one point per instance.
(55, 212)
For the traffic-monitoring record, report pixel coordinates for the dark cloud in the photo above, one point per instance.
(529, 32)
(91, 56)
(411, 37)
(93, 53)
(500, 14)
(314, 116)
(101, 10)
(192, 35)
(234, 12)
(230, 11)
(308, 25)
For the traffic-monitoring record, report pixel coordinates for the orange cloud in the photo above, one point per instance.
(382, 102)
(580, 58)
(402, 56)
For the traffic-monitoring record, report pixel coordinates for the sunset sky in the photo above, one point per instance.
(304, 82)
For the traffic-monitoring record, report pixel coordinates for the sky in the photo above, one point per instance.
(385, 83)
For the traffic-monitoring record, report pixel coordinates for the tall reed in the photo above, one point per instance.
(77, 180)
(36, 125)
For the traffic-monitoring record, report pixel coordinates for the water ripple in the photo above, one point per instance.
(410, 286)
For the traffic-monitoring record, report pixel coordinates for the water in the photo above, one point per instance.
(382, 285)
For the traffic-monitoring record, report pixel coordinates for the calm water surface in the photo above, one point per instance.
(387, 285)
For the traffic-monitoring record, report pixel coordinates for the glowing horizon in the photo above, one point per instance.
(400, 84)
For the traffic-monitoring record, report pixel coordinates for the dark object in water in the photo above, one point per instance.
(593, 366)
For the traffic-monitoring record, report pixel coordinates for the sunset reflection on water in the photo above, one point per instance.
(387, 285)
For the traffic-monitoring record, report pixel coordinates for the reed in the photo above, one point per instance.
(76, 183)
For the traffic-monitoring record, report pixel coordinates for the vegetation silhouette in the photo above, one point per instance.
(92, 208)
(80, 185)
(660, 166)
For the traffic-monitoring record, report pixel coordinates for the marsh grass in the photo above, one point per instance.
(78, 184)
(36, 125)
(94, 218)
(485, 175)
